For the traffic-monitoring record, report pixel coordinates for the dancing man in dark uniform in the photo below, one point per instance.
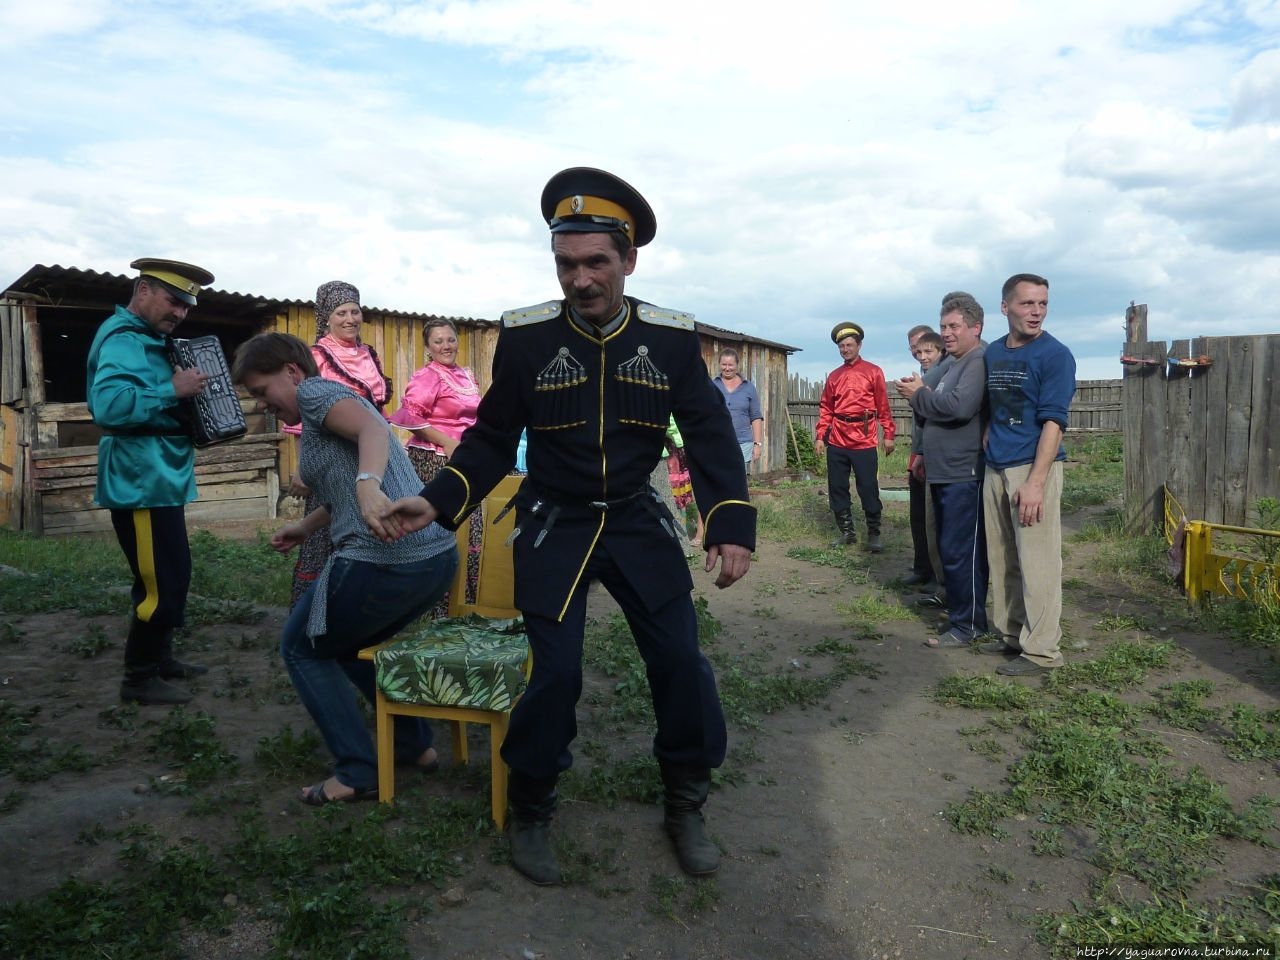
(594, 378)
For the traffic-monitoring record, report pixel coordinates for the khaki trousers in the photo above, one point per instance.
(1026, 565)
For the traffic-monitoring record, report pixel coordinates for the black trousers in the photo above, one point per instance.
(154, 541)
(864, 465)
(691, 728)
(920, 562)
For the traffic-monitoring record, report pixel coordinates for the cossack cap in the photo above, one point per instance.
(183, 280)
(846, 329)
(587, 200)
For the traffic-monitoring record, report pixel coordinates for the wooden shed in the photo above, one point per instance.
(764, 363)
(48, 443)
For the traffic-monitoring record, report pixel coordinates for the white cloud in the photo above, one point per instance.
(807, 163)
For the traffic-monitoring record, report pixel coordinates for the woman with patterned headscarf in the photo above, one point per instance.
(343, 357)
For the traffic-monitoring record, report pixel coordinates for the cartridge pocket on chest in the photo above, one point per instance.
(560, 394)
(644, 392)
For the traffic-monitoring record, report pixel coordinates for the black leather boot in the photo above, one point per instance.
(686, 792)
(844, 521)
(874, 544)
(533, 805)
(142, 681)
(172, 668)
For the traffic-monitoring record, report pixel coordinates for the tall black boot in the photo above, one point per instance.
(172, 668)
(844, 521)
(142, 681)
(533, 805)
(874, 544)
(686, 792)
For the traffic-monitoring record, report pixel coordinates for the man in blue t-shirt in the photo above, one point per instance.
(1031, 378)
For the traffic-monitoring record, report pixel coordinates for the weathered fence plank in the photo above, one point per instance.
(1237, 382)
(1264, 434)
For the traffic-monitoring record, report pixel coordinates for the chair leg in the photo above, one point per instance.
(459, 730)
(498, 768)
(385, 749)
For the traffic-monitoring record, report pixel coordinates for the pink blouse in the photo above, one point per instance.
(354, 363)
(442, 397)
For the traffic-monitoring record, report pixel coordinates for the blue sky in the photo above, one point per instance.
(809, 162)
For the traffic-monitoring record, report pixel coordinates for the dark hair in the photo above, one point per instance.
(1018, 278)
(917, 330)
(437, 322)
(269, 353)
(931, 339)
(966, 306)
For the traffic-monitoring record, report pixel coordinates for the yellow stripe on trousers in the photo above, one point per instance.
(145, 548)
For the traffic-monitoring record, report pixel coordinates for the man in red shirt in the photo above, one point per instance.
(853, 401)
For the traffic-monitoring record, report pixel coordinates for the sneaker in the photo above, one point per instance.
(1022, 667)
(932, 600)
(998, 647)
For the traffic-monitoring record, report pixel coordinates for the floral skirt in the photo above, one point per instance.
(428, 464)
(312, 556)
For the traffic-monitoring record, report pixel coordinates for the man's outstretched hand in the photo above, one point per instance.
(402, 516)
(734, 563)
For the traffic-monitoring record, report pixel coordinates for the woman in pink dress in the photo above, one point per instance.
(341, 356)
(439, 404)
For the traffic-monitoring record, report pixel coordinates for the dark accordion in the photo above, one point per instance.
(214, 414)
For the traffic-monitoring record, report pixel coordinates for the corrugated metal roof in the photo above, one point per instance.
(56, 284)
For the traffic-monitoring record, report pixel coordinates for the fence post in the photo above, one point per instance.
(1198, 544)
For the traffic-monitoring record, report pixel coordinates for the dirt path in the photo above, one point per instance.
(834, 842)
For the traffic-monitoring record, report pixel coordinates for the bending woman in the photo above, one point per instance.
(343, 357)
(368, 589)
(439, 404)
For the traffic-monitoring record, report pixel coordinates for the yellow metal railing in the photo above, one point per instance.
(1226, 574)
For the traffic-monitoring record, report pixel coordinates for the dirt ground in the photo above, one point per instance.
(834, 843)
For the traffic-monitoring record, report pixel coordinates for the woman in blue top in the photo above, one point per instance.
(369, 589)
(744, 406)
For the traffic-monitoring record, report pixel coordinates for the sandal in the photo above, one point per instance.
(315, 796)
(948, 640)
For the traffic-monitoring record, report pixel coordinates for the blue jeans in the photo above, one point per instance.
(368, 603)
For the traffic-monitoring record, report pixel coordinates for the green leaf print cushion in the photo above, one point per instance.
(463, 662)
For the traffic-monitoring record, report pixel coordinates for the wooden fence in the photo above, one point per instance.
(1210, 431)
(1096, 408)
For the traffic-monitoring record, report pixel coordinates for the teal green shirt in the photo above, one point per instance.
(130, 386)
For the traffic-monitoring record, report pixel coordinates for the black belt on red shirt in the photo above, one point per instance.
(860, 418)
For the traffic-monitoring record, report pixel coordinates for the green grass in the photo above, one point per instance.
(1095, 473)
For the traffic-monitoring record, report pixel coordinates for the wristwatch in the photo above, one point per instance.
(368, 476)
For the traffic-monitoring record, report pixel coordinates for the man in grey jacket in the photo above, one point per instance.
(954, 466)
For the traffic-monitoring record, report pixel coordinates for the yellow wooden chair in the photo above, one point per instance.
(494, 598)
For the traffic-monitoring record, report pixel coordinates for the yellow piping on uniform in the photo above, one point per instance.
(578, 576)
(604, 460)
(712, 512)
(144, 547)
(466, 486)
